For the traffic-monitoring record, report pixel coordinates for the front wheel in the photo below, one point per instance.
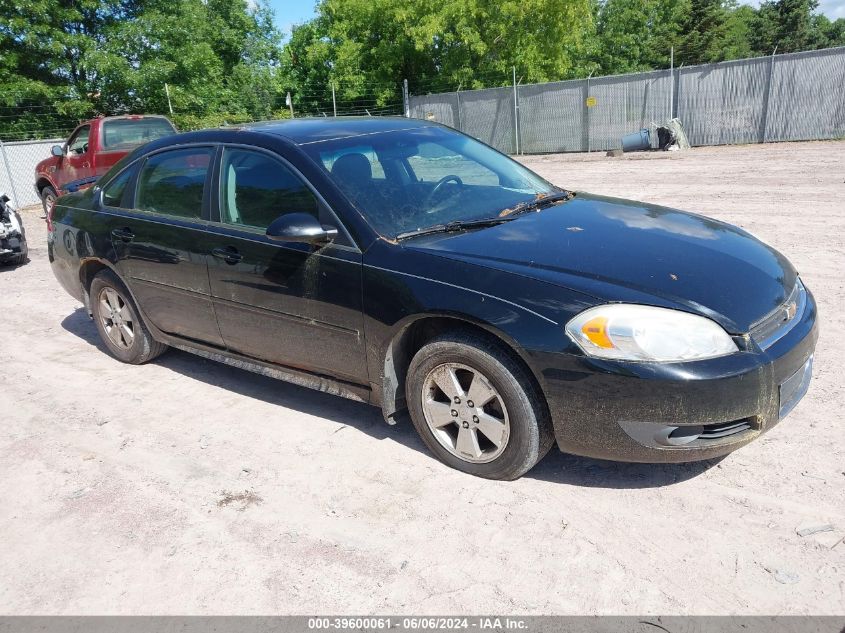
(118, 322)
(48, 199)
(476, 408)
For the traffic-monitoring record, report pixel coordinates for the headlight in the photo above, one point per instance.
(635, 332)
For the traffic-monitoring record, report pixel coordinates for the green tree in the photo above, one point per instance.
(44, 47)
(703, 32)
(739, 21)
(215, 56)
(793, 25)
(367, 47)
(69, 59)
(637, 35)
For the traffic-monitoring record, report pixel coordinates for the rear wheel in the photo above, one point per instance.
(118, 322)
(48, 199)
(476, 408)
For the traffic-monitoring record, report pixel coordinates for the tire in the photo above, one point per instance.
(107, 293)
(525, 433)
(48, 199)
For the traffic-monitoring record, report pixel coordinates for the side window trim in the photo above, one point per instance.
(142, 162)
(321, 201)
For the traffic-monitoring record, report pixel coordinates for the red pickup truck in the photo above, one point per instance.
(93, 148)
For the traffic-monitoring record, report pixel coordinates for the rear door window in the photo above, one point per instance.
(173, 182)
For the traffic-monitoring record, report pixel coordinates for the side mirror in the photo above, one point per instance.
(57, 150)
(300, 227)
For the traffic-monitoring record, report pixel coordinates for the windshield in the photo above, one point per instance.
(407, 180)
(119, 133)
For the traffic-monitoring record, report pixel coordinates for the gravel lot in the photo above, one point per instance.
(184, 486)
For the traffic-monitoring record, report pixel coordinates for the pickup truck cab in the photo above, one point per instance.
(92, 149)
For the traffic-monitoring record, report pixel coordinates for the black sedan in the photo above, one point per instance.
(401, 263)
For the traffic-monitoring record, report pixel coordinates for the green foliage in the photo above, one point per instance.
(704, 30)
(637, 35)
(367, 47)
(61, 61)
(793, 25)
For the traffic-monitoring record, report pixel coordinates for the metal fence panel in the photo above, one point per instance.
(723, 103)
(488, 116)
(798, 96)
(552, 117)
(485, 114)
(808, 96)
(19, 180)
(442, 107)
(627, 103)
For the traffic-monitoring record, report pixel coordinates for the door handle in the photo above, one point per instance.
(86, 165)
(228, 255)
(124, 234)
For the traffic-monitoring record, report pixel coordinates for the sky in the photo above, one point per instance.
(290, 12)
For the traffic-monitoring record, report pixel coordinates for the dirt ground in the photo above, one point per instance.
(184, 486)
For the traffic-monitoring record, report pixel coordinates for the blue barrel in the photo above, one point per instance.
(636, 141)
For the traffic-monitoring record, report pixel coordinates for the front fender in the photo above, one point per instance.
(526, 315)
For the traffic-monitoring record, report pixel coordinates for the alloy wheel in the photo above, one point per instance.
(116, 318)
(465, 413)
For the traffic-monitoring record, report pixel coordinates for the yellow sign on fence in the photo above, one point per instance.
(591, 102)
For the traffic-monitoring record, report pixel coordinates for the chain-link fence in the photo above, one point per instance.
(794, 97)
(17, 168)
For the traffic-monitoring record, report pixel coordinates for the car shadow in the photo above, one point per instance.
(9, 267)
(357, 415)
(556, 467)
(586, 472)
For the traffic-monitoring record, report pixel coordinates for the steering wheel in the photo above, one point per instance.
(439, 186)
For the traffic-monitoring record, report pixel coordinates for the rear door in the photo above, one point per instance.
(292, 304)
(162, 241)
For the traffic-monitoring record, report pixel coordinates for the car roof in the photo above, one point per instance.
(315, 130)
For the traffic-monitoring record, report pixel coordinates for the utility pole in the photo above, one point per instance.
(334, 100)
(515, 111)
(671, 82)
(167, 92)
(406, 99)
(587, 115)
(764, 120)
(458, 100)
(289, 103)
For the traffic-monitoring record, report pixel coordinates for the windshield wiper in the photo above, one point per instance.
(538, 203)
(454, 226)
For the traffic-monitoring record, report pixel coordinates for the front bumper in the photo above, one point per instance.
(681, 412)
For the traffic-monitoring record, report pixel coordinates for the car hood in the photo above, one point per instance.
(620, 250)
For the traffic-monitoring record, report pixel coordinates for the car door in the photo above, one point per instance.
(292, 304)
(161, 241)
(76, 163)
